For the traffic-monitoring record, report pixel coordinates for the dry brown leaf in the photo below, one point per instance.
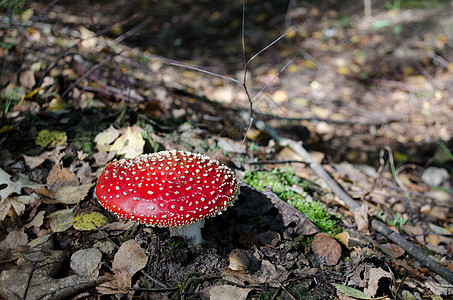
(59, 178)
(130, 257)
(326, 249)
(87, 262)
(393, 250)
(27, 79)
(433, 239)
(14, 239)
(33, 161)
(102, 158)
(72, 194)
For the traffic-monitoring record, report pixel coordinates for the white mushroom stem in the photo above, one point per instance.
(191, 232)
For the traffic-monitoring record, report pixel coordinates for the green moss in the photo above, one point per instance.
(293, 189)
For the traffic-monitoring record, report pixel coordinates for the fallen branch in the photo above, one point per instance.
(413, 250)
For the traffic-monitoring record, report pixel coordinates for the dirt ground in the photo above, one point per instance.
(367, 92)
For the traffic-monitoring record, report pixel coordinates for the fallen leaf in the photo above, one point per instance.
(228, 292)
(59, 178)
(129, 259)
(105, 138)
(14, 239)
(433, 239)
(37, 221)
(102, 158)
(72, 194)
(326, 249)
(86, 262)
(393, 250)
(10, 187)
(440, 230)
(51, 138)
(351, 292)
(438, 213)
(27, 79)
(33, 161)
(61, 220)
(130, 144)
(89, 221)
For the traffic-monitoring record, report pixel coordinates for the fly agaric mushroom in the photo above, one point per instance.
(174, 189)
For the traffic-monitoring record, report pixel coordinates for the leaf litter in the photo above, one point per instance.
(88, 111)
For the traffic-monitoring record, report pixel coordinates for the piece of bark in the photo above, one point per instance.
(259, 203)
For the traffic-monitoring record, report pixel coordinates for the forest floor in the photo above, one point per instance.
(369, 94)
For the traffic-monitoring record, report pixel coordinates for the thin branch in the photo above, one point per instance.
(276, 75)
(270, 45)
(87, 73)
(413, 250)
(204, 71)
(131, 32)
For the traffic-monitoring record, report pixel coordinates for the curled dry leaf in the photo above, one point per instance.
(327, 250)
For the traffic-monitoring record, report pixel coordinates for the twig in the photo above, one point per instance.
(131, 32)
(110, 90)
(299, 149)
(413, 250)
(288, 293)
(274, 162)
(329, 121)
(91, 70)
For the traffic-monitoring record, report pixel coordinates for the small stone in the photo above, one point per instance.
(438, 213)
(425, 209)
(434, 176)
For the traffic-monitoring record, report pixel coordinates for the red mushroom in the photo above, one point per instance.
(173, 189)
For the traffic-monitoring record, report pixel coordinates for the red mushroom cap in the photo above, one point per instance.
(167, 189)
